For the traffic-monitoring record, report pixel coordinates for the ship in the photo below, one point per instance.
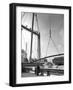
(40, 66)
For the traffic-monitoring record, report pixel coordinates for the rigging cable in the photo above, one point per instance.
(50, 38)
(55, 45)
(47, 46)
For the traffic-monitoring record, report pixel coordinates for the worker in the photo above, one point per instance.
(37, 70)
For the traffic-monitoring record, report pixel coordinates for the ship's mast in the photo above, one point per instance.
(31, 37)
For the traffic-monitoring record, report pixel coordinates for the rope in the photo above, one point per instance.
(50, 39)
(47, 46)
(55, 45)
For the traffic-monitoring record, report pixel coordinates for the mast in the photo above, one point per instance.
(38, 49)
(31, 37)
(38, 43)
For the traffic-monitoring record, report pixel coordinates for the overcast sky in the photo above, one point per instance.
(55, 22)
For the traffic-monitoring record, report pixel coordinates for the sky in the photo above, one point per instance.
(55, 22)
